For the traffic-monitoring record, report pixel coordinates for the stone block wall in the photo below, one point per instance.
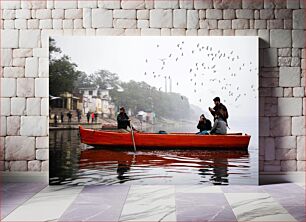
(26, 26)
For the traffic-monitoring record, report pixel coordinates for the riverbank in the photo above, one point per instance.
(111, 124)
(106, 124)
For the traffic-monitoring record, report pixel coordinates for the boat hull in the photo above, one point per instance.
(118, 140)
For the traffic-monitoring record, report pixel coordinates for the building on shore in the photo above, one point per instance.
(66, 100)
(148, 117)
(97, 100)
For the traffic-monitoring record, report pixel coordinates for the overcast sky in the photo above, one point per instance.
(201, 68)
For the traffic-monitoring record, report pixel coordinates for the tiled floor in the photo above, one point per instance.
(39, 202)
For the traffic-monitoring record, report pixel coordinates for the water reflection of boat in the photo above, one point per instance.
(155, 158)
(211, 165)
(111, 139)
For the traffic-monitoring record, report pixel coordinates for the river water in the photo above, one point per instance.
(77, 164)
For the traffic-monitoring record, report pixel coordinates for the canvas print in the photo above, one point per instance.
(153, 110)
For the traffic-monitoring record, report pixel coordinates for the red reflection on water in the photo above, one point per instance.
(188, 158)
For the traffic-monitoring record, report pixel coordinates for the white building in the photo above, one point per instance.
(97, 100)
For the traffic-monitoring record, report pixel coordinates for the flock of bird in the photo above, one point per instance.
(205, 69)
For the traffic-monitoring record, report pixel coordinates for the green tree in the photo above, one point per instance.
(53, 49)
(139, 96)
(83, 81)
(105, 79)
(63, 73)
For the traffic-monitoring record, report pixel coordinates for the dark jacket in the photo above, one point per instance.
(204, 125)
(123, 121)
(222, 110)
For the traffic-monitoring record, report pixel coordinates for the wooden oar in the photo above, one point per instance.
(133, 139)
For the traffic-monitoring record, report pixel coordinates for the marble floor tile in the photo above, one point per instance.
(197, 189)
(97, 203)
(15, 198)
(203, 207)
(107, 211)
(257, 207)
(6, 210)
(22, 187)
(99, 194)
(204, 199)
(298, 212)
(301, 185)
(47, 205)
(290, 199)
(242, 189)
(106, 189)
(283, 188)
(149, 203)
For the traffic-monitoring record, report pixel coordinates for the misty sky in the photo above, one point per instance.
(201, 68)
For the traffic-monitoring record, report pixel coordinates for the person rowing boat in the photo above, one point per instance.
(124, 121)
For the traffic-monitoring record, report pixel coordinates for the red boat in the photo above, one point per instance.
(122, 140)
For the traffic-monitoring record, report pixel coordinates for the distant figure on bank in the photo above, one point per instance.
(69, 115)
(96, 116)
(219, 109)
(204, 125)
(79, 115)
(92, 117)
(62, 117)
(55, 120)
(88, 116)
(220, 126)
(123, 120)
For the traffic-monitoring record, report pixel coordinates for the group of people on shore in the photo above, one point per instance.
(62, 115)
(93, 116)
(220, 114)
(69, 117)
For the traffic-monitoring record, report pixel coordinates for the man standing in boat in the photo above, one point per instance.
(220, 109)
(123, 120)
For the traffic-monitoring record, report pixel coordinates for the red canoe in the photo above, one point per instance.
(119, 140)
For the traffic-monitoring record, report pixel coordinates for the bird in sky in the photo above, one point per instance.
(210, 63)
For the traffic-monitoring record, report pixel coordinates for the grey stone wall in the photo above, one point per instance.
(26, 25)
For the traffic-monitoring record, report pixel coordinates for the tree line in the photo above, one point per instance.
(136, 96)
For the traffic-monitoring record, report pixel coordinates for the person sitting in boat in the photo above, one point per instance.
(220, 109)
(123, 120)
(204, 125)
(220, 126)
